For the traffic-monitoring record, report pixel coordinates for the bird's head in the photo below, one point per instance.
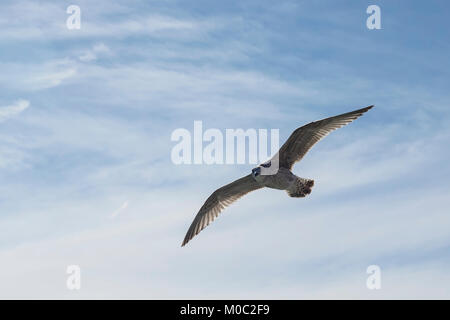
(260, 170)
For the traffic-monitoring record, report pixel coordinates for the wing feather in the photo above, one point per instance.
(303, 138)
(219, 200)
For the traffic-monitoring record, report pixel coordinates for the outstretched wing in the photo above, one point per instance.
(303, 138)
(217, 201)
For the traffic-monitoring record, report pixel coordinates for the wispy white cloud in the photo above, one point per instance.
(52, 79)
(92, 54)
(48, 21)
(14, 109)
(39, 76)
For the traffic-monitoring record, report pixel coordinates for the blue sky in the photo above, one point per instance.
(86, 176)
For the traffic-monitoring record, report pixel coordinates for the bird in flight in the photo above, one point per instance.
(275, 173)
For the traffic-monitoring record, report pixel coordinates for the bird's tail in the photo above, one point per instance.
(300, 188)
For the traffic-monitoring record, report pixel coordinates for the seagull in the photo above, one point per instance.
(275, 173)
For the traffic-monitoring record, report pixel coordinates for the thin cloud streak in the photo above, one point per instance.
(120, 210)
(14, 109)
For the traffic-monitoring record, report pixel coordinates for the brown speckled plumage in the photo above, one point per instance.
(293, 150)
